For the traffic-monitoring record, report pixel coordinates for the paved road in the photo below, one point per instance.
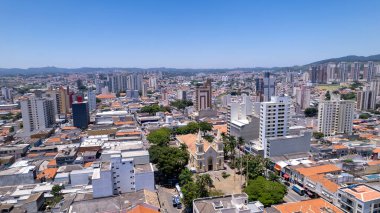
(165, 197)
(292, 196)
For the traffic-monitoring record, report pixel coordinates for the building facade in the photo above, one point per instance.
(81, 116)
(37, 113)
(203, 96)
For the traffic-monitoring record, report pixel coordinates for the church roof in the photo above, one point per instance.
(190, 141)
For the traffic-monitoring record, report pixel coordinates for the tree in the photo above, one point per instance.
(253, 166)
(160, 137)
(170, 161)
(318, 135)
(311, 112)
(12, 129)
(265, 191)
(204, 183)
(98, 100)
(327, 96)
(204, 126)
(273, 177)
(364, 116)
(56, 190)
(189, 191)
(185, 177)
(348, 96)
(181, 104)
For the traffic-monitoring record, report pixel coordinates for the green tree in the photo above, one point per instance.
(181, 104)
(364, 116)
(327, 96)
(318, 135)
(56, 190)
(189, 191)
(204, 183)
(185, 177)
(204, 126)
(311, 112)
(267, 192)
(170, 161)
(98, 100)
(273, 177)
(253, 166)
(348, 96)
(160, 137)
(12, 129)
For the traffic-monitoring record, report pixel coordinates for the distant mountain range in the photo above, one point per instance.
(54, 70)
(350, 58)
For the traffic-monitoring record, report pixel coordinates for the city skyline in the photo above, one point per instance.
(196, 34)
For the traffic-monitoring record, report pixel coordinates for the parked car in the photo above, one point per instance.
(176, 202)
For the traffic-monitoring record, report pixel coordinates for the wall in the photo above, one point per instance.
(285, 145)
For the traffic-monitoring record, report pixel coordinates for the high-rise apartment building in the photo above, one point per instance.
(37, 113)
(91, 99)
(314, 74)
(64, 101)
(274, 120)
(117, 82)
(81, 115)
(181, 95)
(302, 95)
(335, 117)
(203, 96)
(366, 99)
(370, 71)
(6, 93)
(356, 71)
(343, 71)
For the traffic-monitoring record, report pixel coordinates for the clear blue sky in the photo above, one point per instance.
(185, 33)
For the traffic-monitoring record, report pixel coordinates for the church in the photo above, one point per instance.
(204, 156)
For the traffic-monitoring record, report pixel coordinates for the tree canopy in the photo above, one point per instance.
(160, 137)
(318, 135)
(327, 96)
(348, 96)
(194, 127)
(170, 161)
(311, 112)
(154, 108)
(364, 116)
(199, 188)
(181, 104)
(265, 191)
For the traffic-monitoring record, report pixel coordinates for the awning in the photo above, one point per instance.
(286, 176)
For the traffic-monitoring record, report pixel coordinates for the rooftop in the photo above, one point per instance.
(308, 206)
(362, 192)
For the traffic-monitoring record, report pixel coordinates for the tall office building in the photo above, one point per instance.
(259, 86)
(81, 115)
(274, 120)
(91, 99)
(203, 96)
(269, 87)
(335, 117)
(6, 93)
(37, 113)
(302, 95)
(153, 82)
(356, 71)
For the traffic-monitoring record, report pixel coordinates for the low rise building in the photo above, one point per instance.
(358, 199)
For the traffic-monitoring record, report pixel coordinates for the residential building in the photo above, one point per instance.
(181, 95)
(6, 93)
(121, 175)
(81, 116)
(366, 99)
(237, 203)
(343, 71)
(240, 120)
(335, 117)
(91, 99)
(356, 71)
(274, 116)
(314, 205)
(358, 198)
(203, 96)
(37, 113)
(370, 71)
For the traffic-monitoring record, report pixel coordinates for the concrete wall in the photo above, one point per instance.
(145, 180)
(80, 178)
(286, 145)
(247, 132)
(102, 187)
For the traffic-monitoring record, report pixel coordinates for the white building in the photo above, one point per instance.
(274, 116)
(91, 99)
(37, 113)
(366, 99)
(335, 117)
(358, 199)
(6, 93)
(121, 175)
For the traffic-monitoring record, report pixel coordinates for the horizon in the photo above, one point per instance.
(184, 35)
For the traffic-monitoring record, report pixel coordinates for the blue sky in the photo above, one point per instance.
(185, 33)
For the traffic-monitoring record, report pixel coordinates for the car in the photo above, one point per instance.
(176, 202)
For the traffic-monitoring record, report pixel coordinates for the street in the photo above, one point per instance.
(292, 196)
(165, 197)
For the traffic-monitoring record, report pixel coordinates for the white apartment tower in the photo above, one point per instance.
(91, 99)
(37, 113)
(274, 119)
(335, 117)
